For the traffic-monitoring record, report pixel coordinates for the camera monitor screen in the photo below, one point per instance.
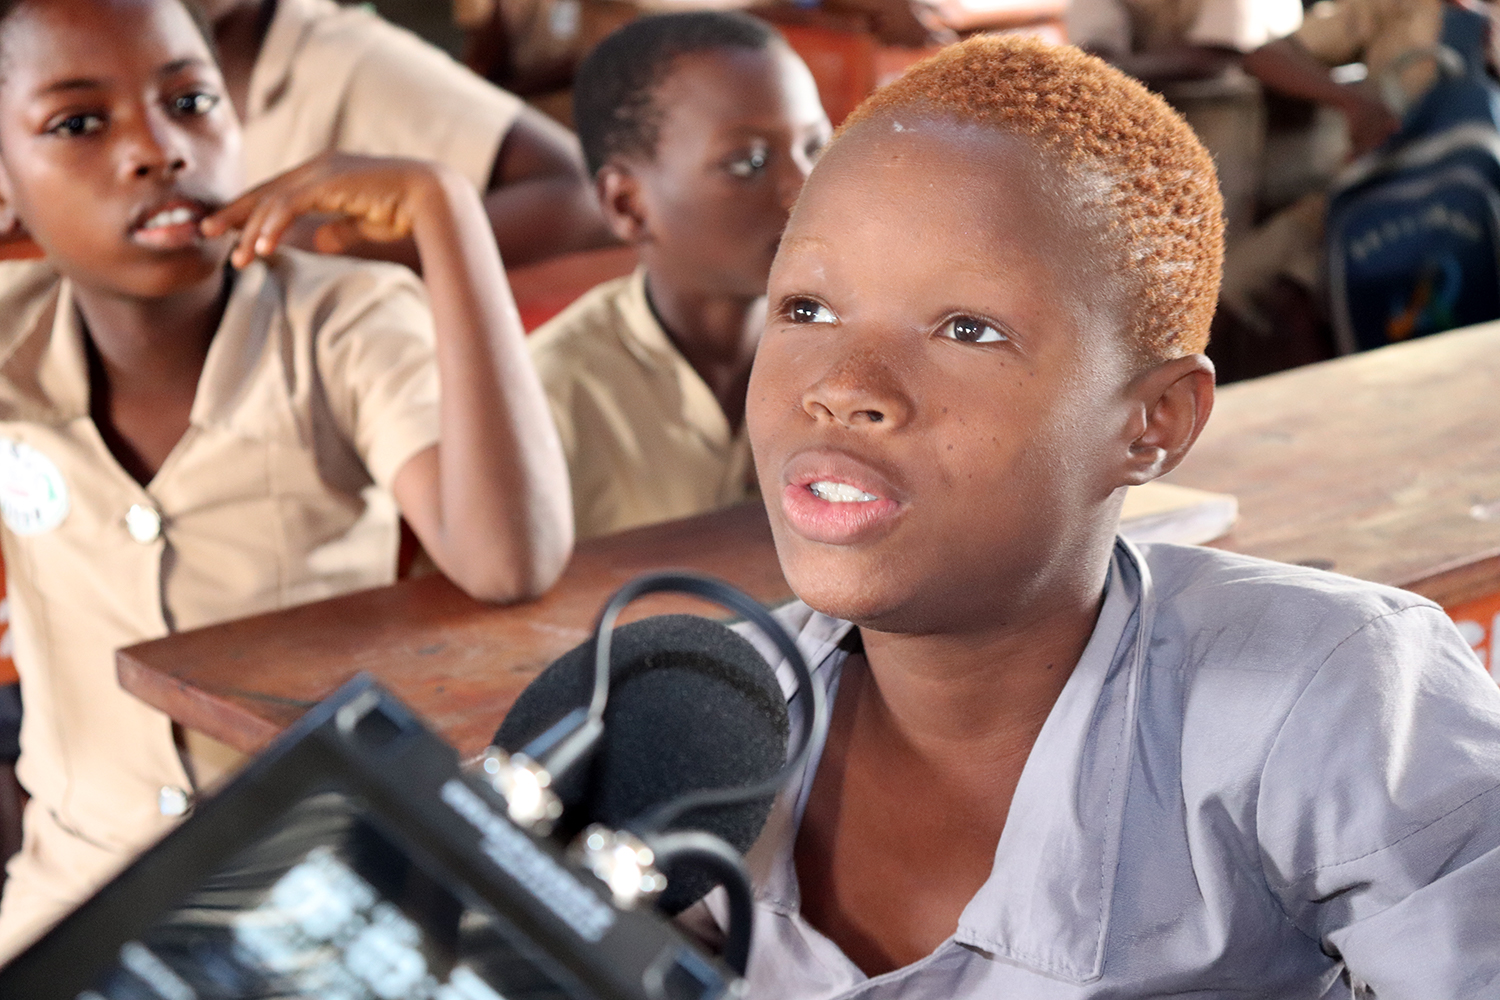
(353, 861)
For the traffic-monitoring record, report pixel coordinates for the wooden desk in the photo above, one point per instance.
(458, 662)
(1383, 465)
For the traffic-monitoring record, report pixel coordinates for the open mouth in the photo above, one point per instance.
(839, 499)
(172, 226)
(835, 492)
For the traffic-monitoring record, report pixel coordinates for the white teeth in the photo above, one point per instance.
(840, 492)
(168, 217)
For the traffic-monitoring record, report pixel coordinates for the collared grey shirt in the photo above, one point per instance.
(1259, 781)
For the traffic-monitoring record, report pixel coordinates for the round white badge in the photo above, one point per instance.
(33, 495)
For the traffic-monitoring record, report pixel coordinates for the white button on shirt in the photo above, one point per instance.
(172, 801)
(143, 523)
(1256, 774)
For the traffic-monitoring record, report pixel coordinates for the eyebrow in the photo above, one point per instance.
(90, 83)
(80, 83)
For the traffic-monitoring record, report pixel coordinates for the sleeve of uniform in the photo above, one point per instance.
(1099, 25)
(407, 98)
(559, 368)
(1338, 31)
(1379, 810)
(375, 353)
(1244, 25)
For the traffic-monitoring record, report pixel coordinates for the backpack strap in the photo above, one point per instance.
(1467, 32)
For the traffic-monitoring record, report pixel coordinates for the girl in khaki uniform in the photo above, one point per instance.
(196, 426)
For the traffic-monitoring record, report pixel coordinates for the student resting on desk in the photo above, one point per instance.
(309, 76)
(1060, 765)
(700, 129)
(188, 436)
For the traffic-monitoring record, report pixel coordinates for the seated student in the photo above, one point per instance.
(1061, 765)
(1189, 52)
(307, 76)
(184, 442)
(700, 129)
(1282, 259)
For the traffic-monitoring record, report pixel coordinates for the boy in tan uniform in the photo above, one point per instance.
(700, 129)
(182, 441)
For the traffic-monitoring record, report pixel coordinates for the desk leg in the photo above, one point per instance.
(1479, 621)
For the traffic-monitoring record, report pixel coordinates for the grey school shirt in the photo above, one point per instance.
(1260, 781)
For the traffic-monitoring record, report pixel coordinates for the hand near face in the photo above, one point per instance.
(353, 199)
(1370, 122)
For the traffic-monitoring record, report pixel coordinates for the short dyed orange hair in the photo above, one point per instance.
(1162, 210)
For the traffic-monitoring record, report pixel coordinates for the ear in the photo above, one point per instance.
(619, 193)
(1174, 400)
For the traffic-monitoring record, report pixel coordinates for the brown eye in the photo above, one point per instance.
(77, 125)
(196, 103)
(970, 330)
(808, 311)
(748, 165)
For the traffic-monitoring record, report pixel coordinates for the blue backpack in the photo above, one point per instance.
(1413, 233)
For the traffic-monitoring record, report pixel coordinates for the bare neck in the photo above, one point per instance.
(961, 702)
(153, 346)
(717, 334)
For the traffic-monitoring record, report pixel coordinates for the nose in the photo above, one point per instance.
(153, 145)
(863, 389)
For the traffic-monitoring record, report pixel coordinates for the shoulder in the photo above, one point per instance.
(323, 291)
(389, 54)
(27, 287)
(585, 340)
(1219, 601)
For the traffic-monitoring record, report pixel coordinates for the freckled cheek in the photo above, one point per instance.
(989, 441)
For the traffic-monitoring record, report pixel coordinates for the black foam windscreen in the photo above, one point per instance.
(692, 705)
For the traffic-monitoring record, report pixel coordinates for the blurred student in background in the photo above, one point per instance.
(699, 129)
(1277, 270)
(192, 423)
(1190, 52)
(309, 76)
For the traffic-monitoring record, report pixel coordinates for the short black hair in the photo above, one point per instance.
(614, 109)
(9, 7)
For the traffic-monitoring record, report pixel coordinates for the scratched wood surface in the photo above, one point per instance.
(1384, 465)
(456, 661)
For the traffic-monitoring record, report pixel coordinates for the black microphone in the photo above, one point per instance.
(692, 706)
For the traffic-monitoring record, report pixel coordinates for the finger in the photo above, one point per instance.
(238, 213)
(231, 216)
(280, 213)
(250, 233)
(336, 237)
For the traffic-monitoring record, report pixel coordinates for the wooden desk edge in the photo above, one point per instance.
(231, 723)
(1467, 580)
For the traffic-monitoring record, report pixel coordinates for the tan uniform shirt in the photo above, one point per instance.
(341, 78)
(319, 385)
(645, 437)
(1141, 25)
(1376, 33)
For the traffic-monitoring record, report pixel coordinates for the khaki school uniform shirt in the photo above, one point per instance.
(1376, 33)
(319, 385)
(1141, 25)
(645, 437)
(341, 78)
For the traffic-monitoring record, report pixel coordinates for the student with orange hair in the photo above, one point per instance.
(1061, 765)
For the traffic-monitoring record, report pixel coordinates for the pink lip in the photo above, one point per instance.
(177, 236)
(834, 523)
